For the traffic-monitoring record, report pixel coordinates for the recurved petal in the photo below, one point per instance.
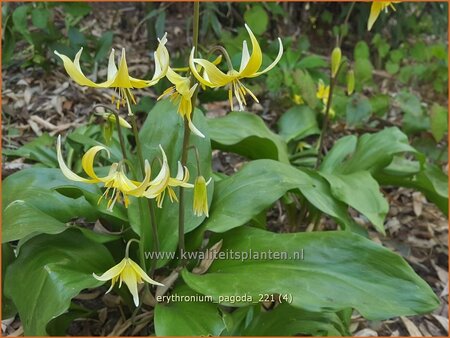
(115, 271)
(65, 170)
(274, 63)
(175, 78)
(245, 56)
(253, 63)
(375, 10)
(74, 70)
(141, 273)
(87, 162)
(139, 191)
(112, 68)
(161, 61)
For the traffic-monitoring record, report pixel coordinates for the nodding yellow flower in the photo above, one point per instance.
(323, 91)
(129, 272)
(163, 182)
(119, 78)
(375, 10)
(200, 203)
(250, 64)
(181, 93)
(121, 185)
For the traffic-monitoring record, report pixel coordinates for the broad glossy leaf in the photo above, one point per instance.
(8, 308)
(21, 219)
(286, 320)
(360, 191)
(35, 186)
(375, 151)
(343, 147)
(187, 318)
(297, 123)
(246, 134)
(238, 198)
(340, 270)
(254, 188)
(164, 126)
(49, 271)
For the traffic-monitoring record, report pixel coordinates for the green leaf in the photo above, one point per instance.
(77, 9)
(34, 186)
(8, 308)
(368, 201)
(375, 151)
(320, 196)
(254, 188)
(439, 124)
(286, 320)
(343, 147)
(175, 318)
(340, 270)
(41, 149)
(297, 123)
(359, 110)
(238, 198)
(40, 17)
(49, 271)
(21, 219)
(256, 17)
(103, 46)
(76, 38)
(380, 103)
(246, 134)
(361, 51)
(164, 126)
(312, 61)
(363, 72)
(307, 87)
(20, 20)
(409, 103)
(431, 181)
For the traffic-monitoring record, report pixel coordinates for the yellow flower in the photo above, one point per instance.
(181, 94)
(200, 203)
(298, 99)
(164, 182)
(121, 185)
(323, 91)
(129, 272)
(119, 78)
(250, 64)
(375, 10)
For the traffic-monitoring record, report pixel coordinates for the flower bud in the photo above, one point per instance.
(350, 82)
(335, 61)
(111, 117)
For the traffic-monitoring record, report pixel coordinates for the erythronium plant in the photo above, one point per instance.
(129, 191)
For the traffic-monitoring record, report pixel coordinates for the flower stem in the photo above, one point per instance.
(150, 203)
(119, 128)
(326, 119)
(187, 133)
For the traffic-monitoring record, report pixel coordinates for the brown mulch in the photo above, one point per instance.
(34, 102)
